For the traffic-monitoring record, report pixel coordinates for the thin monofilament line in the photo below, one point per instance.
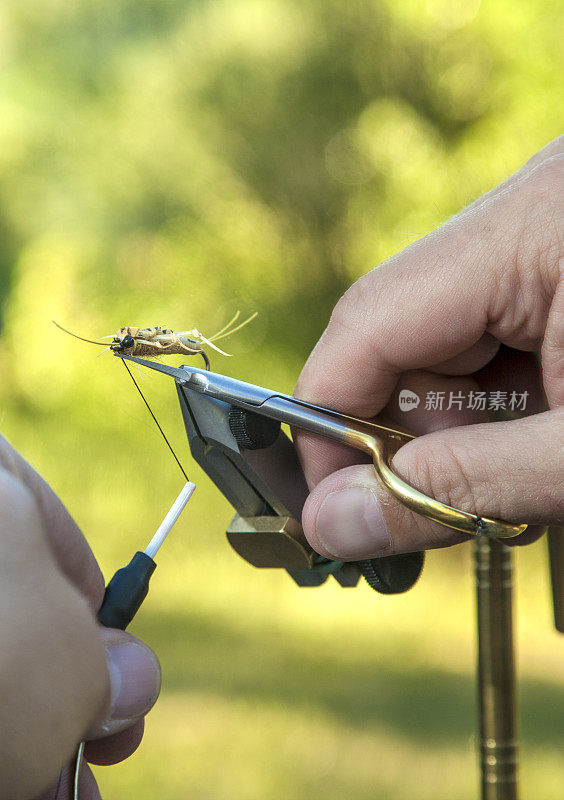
(156, 420)
(78, 765)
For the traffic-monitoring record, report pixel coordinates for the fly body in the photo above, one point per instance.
(157, 341)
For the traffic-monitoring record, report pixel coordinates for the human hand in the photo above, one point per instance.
(467, 308)
(63, 677)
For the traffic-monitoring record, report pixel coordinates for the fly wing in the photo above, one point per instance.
(196, 336)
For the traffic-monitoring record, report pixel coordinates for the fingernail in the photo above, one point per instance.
(135, 680)
(350, 524)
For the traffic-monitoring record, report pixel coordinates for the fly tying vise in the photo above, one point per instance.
(234, 433)
(233, 430)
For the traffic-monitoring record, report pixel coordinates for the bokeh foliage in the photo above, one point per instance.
(170, 161)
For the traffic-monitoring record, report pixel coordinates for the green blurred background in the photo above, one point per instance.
(170, 162)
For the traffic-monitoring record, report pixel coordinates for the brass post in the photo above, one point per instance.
(556, 558)
(496, 670)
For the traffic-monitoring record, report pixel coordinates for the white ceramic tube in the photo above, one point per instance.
(170, 519)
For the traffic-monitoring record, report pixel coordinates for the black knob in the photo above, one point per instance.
(251, 431)
(392, 574)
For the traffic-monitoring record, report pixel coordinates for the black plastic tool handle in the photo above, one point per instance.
(126, 591)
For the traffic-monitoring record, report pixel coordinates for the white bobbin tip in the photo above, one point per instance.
(167, 523)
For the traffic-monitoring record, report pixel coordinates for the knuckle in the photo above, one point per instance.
(547, 179)
(553, 148)
(349, 305)
(345, 311)
(538, 239)
(355, 310)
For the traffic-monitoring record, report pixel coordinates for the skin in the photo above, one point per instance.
(477, 304)
(54, 680)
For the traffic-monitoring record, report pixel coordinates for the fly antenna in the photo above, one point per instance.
(76, 336)
(225, 332)
(229, 324)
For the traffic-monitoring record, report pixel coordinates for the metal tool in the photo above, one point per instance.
(497, 696)
(234, 434)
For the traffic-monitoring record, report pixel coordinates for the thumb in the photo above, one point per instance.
(135, 682)
(510, 471)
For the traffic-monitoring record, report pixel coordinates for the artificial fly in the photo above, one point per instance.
(158, 341)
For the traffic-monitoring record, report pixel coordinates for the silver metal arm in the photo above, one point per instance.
(378, 440)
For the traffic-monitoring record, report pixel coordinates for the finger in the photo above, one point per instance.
(53, 672)
(87, 786)
(509, 470)
(512, 371)
(70, 548)
(133, 668)
(440, 402)
(553, 148)
(510, 384)
(134, 686)
(135, 682)
(325, 457)
(117, 747)
(491, 270)
(553, 349)
(63, 789)
(469, 273)
(470, 360)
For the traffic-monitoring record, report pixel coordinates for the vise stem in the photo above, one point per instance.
(496, 670)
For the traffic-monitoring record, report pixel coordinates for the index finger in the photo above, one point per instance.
(487, 275)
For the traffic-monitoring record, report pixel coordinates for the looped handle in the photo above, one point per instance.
(433, 509)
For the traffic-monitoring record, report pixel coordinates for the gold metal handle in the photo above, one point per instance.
(364, 438)
(381, 441)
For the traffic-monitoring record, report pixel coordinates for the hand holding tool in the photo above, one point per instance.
(128, 588)
(234, 433)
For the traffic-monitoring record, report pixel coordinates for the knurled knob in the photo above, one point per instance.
(392, 574)
(251, 431)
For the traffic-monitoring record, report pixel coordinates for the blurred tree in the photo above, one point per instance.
(262, 153)
(170, 161)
